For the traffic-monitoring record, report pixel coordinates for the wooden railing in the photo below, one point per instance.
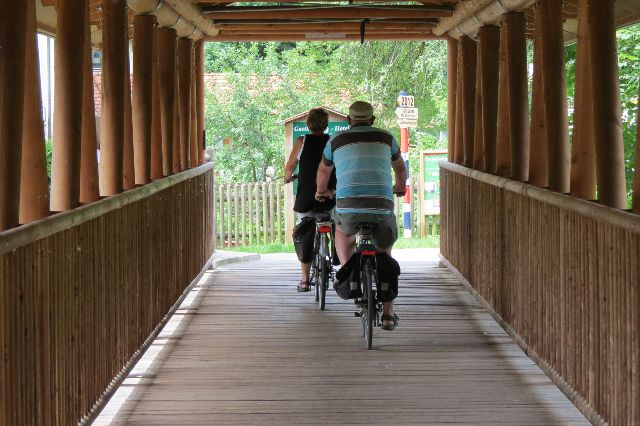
(563, 277)
(82, 291)
(250, 214)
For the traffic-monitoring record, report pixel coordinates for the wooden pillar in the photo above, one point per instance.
(185, 47)
(478, 143)
(636, 176)
(539, 166)
(518, 94)
(555, 94)
(583, 156)
(503, 140)
(67, 131)
(468, 56)
(489, 63)
(200, 105)
(452, 81)
(12, 76)
(34, 183)
(167, 78)
(177, 152)
(112, 123)
(142, 94)
(458, 155)
(193, 140)
(156, 116)
(606, 104)
(128, 171)
(89, 190)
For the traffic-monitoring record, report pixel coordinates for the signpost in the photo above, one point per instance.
(407, 115)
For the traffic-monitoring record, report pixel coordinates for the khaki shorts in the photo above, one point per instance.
(384, 234)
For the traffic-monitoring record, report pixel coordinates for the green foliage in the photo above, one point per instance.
(48, 153)
(270, 82)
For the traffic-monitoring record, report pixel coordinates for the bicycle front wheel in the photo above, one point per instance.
(369, 311)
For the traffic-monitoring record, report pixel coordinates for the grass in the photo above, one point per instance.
(402, 243)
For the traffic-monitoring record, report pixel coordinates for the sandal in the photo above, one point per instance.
(392, 322)
(303, 287)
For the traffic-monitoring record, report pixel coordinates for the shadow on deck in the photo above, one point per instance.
(245, 348)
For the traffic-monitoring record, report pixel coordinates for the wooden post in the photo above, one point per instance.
(156, 115)
(583, 156)
(478, 143)
(89, 182)
(452, 71)
(468, 56)
(279, 211)
(142, 96)
(555, 94)
(243, 213)
(185, 46)
(606, 104)
(193, 139)
(458, 154)
(177, 152)
(112, 124)
(229, 216)
(636, 176)
(166, 81)
(539, 165)
(489, 63)
(67, 132)
(200, 89)
(12, 81)
(128, 177)
(518, 95)
(265, 215)
(503, 140)
(34, 183)
(250, 215)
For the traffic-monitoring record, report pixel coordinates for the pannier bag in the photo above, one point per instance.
(303, 235)
(347, 284)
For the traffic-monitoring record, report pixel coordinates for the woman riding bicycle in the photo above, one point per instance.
(307, 153)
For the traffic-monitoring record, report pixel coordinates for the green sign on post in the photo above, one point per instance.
(431, 204)
(300, 129)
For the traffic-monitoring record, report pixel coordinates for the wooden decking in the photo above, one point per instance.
(247, 349)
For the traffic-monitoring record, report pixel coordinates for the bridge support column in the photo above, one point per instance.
(458, 155)
(177, 151)
(156, 116)
(503, 140)
(478, 137)
(200, 132)
(489, 64)
(538, 162)
(583, 158)
(601, 30)
(142, 96)
(166, 93)
(113, 70)
(518, 94)
(193, 145)
(636, 177)
(468, 55)
(34, 183)
(128, 172)
(185, 48)
(452, 80)
(67, 133)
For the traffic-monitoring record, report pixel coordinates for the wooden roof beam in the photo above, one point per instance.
(325, 13)
(324, 37)
(326, 26)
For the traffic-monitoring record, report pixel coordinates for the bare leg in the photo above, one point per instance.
(345, 245)
(306, 269)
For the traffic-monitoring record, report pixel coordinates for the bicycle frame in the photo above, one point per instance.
(322, 268)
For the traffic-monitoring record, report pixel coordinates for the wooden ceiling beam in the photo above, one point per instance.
(320, 30)
(325, 13)
(324, 37)
(332, 26)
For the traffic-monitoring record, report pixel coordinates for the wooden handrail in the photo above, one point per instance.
(17, 237)
(599, 212)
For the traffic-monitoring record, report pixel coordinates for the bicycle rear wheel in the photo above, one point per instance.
(369, 309)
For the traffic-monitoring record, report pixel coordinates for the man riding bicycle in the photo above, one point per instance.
(363, 157)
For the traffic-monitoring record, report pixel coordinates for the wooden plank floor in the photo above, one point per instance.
(248, 349)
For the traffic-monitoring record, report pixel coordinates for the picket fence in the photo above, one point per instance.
(249, 214)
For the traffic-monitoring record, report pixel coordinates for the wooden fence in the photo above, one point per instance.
(82, 291)
(250, 214)
(561, 274)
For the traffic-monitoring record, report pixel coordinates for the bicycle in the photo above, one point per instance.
(370, 308)
(321, 265)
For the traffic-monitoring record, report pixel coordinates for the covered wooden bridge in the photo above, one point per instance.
(534, 222)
